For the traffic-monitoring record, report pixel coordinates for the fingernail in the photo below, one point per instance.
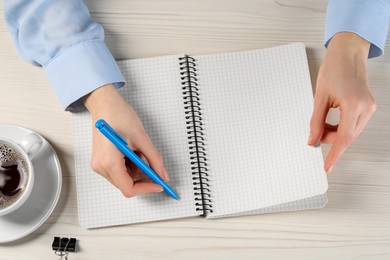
(330, 169)
(165, 173)
(310, 139)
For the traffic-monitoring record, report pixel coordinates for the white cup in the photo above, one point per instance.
(26, 150)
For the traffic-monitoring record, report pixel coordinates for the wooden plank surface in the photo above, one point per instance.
(354, 225)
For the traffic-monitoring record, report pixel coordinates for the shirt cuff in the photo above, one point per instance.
(80, 70)
(368, 19)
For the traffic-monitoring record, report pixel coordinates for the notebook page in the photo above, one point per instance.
(257, 107)
(314, 202)
(154, 90)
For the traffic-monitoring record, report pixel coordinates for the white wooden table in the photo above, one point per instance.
(354, 225)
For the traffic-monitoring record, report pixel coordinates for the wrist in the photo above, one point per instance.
(100, 98)
(349, 44)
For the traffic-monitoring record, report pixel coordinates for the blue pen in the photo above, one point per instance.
(121, 144)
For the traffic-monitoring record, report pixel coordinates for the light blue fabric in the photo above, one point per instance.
(60, 36)
(367, 18)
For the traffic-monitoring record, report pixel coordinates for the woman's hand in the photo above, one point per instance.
(107, 160)
(342, 83)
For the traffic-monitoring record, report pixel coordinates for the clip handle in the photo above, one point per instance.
(64, 244)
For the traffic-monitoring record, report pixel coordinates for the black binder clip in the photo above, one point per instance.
(63, 246)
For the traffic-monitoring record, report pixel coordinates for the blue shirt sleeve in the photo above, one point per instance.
(367, 18)
(61, 37)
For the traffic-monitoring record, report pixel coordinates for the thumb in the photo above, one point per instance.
(317, 122)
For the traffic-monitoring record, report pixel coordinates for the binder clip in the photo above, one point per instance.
(63, 246)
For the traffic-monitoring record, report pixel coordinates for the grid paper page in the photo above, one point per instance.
(257, 107)
(154, 90)
(314, 202)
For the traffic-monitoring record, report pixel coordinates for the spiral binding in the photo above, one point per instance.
(196, 140)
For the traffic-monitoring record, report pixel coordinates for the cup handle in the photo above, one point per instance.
(31, 144)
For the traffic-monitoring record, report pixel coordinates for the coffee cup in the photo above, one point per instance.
(17, 171)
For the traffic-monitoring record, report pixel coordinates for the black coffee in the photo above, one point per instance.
(11, 178)
(13, 174)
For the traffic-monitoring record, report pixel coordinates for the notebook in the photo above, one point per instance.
(232, 129)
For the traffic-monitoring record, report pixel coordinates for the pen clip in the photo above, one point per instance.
(101, 124)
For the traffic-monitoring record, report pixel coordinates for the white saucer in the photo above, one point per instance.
(44, 196)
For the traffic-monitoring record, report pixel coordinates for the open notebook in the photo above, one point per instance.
(232, 129)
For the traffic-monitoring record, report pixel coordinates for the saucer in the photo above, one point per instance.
(44, 196)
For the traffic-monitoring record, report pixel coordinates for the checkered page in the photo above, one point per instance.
(257, 107)
(154, 90)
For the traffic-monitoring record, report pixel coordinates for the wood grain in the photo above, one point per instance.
(354, 225)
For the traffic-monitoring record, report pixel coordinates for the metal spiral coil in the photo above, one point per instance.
(196, 140)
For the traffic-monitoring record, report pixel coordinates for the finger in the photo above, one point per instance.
(135, 172)
(317, 122)
(362, 122)
(100, 170)
(123, 181)
(147, 180)
(154, 158)
(330, 134)
(345, 136)
(107, 177)
(142, 187)
(120, 178)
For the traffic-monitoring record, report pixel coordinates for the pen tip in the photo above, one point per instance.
(174, 195)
